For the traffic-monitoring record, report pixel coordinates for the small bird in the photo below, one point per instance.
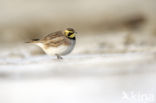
(58, 43)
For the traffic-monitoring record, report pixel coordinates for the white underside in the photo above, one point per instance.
(56, 50)
(61, 50)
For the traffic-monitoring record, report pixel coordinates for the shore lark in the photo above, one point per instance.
(58, 43)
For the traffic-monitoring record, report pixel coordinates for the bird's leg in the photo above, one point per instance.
(58, 56)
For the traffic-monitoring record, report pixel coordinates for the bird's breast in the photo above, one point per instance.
(61, 50)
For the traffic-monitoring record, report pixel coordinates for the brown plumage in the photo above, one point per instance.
(57, 43)
(53, 39)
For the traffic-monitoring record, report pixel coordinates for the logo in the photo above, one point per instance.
(137, 97)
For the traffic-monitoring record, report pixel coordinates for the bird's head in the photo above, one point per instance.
(70, 33)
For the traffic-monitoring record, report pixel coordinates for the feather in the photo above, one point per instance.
(34, 41)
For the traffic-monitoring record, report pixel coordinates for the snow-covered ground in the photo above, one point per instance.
(111, 69)
(73, 65)
(92, 78)
(113, 61)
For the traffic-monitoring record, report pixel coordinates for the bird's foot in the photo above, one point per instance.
(58, 56)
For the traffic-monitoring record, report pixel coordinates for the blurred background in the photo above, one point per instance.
(113, 61)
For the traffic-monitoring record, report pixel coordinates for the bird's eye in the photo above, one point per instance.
(71, 35)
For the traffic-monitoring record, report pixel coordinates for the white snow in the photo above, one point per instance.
(81, 78)
(104, 71)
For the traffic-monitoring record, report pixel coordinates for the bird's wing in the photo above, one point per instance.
(52, 36)
(54, 39)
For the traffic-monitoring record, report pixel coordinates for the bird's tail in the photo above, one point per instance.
(34, 41)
